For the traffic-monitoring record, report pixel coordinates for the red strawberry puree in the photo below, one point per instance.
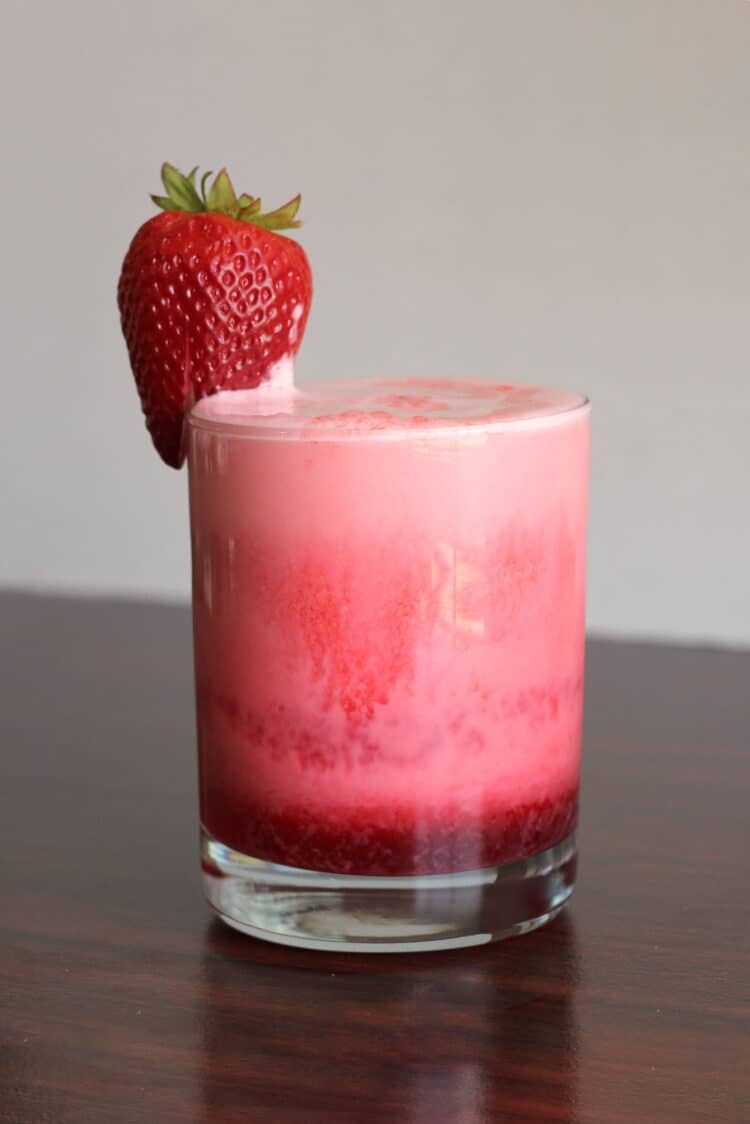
(389, 621)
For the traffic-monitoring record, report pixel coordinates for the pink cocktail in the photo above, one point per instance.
(388, 594)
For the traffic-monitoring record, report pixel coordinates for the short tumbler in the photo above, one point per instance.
(388, 601)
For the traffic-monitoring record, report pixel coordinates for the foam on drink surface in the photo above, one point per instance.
(382, 407)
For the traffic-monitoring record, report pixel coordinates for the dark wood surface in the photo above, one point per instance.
(121, 1000)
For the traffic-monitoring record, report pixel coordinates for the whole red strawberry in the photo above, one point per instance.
(210, 298)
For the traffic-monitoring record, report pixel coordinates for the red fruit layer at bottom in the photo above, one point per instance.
(390, 841)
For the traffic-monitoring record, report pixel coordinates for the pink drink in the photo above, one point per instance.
(389, 622)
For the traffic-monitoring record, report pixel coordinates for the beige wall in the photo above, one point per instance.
(557, 190)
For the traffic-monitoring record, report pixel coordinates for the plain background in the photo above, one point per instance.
(552, 190)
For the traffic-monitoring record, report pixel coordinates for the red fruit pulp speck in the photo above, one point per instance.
(388, 841)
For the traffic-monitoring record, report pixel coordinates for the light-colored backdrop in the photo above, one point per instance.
(557, 190)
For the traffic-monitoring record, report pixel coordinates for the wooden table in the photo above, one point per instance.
(122, 1000)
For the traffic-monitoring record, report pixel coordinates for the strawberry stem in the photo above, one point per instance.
(182, 195)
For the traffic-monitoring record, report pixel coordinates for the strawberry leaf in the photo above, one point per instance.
(163, 202)
(182, 195)
(221, 196)
(282, 218)
(204, 180)
(180, 190)
(247, 213)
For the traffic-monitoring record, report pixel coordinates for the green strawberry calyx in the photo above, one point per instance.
(183, 195)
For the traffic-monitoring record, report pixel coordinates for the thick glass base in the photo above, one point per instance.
(365, 913)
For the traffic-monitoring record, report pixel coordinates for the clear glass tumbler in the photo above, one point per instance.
(388, 600)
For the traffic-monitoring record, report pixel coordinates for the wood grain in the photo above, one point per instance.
(122, 1001)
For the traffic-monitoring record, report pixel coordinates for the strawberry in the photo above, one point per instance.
(211, 297)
